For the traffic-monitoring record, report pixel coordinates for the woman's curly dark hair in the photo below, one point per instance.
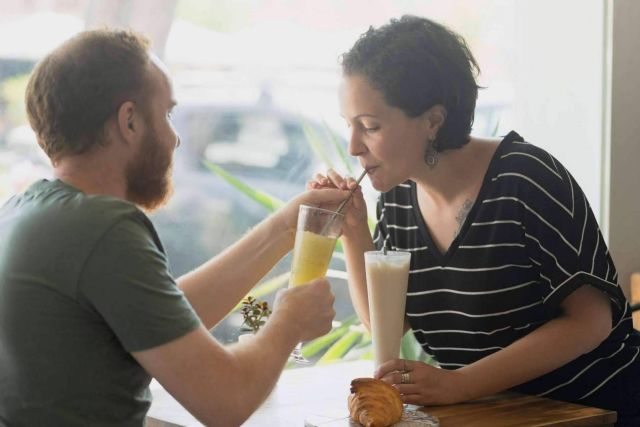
(416, 64)
(75, 89)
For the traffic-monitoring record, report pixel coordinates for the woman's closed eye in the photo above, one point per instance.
(364, 127)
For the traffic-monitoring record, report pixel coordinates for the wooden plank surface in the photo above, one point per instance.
(512, 409)
(323, 391)
(635, 298)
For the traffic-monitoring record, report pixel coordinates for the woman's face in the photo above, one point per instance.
(387, 142)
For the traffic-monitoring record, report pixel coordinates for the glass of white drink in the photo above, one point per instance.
(316, 234)
(387, 278)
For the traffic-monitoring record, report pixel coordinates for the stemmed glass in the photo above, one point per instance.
(316, 234)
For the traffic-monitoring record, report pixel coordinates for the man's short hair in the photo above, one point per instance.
(75, 89)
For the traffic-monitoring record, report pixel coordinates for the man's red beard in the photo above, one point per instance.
(149, 183)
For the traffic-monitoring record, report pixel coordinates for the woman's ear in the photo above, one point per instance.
(435, 118)
(129, 123)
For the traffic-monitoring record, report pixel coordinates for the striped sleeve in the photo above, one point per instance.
(562, 236)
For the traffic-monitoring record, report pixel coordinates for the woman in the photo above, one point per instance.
(511, 284)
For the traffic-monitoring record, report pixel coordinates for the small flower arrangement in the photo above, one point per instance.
(255, 313)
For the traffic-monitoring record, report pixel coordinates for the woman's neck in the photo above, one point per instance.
(457, 173)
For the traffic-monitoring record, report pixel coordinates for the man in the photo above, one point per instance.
(88, 310)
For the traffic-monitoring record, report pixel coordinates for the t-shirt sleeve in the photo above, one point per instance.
(126, 280)
(562, 236)
(380, 233)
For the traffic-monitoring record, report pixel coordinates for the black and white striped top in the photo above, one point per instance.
(529, 240)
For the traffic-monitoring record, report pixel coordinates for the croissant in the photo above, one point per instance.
(374, 403)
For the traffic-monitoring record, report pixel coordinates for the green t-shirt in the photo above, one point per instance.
(84, 282)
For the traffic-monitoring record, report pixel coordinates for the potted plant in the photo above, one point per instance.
(255, 314)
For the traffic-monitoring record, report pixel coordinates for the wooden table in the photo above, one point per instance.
(322, 391)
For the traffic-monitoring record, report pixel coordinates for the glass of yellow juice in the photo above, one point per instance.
(316, 234)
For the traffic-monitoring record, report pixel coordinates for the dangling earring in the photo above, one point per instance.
(431, 155)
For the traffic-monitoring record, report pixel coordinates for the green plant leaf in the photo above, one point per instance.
(340, 347)
(313, 347)
(342, 154)
(372, 224)
(495, 128)
(410, 348)
(363, 350)
(368, 355)
(268, 201)
(265, 288)
(366, 339)
(316, 142)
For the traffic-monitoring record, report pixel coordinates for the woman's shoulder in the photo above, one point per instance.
(515, 155)
(531, 173)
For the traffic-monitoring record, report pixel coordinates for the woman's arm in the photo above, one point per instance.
(355, 246)
(584, 323)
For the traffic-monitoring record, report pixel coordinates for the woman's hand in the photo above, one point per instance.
(326, 199)
(356, 210)
(422, 384)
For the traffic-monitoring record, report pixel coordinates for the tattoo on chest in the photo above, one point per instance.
(462, 215)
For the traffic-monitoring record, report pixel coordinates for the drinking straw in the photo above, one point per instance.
(343, 204)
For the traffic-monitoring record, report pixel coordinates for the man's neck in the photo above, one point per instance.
(92, 175)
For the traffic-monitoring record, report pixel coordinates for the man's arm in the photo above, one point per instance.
(224, 386)
(214, 288)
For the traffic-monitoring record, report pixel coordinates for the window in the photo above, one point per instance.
(256, 79)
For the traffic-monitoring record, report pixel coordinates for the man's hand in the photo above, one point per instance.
(326, 199)
(308, 309)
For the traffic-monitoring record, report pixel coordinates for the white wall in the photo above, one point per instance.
(577, 92)
(623, 198)
(558, 84)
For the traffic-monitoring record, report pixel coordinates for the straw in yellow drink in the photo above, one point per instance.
(311, 256)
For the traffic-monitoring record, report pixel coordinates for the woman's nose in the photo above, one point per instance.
(356, 147)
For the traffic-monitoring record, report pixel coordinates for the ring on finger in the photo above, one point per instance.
(405, 378)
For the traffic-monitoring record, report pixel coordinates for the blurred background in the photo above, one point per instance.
(256, 83)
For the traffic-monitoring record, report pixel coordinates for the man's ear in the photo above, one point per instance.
(129, 123)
